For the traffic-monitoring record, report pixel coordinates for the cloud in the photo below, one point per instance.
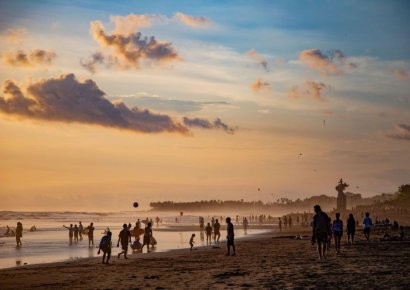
(90, 63)
(127, 25)
(400, 73)
(258, 58)
(259, 84)
(309, 89)
(14, 36)
(195, 22)
(131, 50)
(66, 99)
(330, 63)
(205, 124)
(402, 132)
(31, 59)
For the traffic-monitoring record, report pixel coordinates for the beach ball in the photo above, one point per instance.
(135, 204)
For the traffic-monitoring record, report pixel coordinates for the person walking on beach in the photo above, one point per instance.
(105, 246)
(208, 231)
(191, 241)
(80, 230)
(90, 229)
(217, 234)
(136, 230)
(125, 238)
(367, 224)
(70, 233)
(320, 231)
(19, 234)
(337, 230)
(230, 236)
(351, 228)
(76, 230)
(245, 225)
(147, 236)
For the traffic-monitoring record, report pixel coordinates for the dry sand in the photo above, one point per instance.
(264, 262)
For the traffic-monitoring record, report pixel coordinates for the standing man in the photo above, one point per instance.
(217, 233)
(90, 229)
(125, 238)
(81, 230)
(367, 224)
(320, 231)
(230, 236)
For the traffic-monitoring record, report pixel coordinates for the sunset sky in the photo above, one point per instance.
(104, 103)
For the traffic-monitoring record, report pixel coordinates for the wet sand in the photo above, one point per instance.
(264, 262)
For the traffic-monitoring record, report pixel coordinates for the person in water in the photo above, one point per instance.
(351, 229)
(105, 246)
(90, 229)
(191, 241)
(230, 237)
(320, 231)
(208, 231)
(147, 236)
(367, 224)
(80, 230)
(76, 231)
(19, 234)
(337, 230)
(125, 238)
(217, 233)
(70, 233)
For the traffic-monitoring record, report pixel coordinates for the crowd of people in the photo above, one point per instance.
(324, 229)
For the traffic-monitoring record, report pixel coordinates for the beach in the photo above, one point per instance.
(265, 261)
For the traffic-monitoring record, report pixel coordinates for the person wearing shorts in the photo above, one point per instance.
(320, 231)
(125, 238)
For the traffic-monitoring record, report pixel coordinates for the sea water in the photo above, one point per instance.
(50, 242)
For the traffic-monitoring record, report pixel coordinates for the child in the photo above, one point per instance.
(337, 230)
(191, 241)
(105, 246)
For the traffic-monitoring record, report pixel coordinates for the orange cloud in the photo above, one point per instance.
(195, 22)
(66, 99)
(131, 50)
(258, 58)
(129, 24)
(326, 64)
(34, 58)
(14, 35)
(309, 89)
(259, 84)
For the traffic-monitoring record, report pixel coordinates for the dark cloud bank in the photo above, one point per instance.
(66, 99)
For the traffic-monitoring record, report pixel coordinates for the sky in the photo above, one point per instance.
(104, 103)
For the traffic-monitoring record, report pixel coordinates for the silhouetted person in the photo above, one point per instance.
(137, 230)
(80, 230)
(125, 238)
(76, 230)
(90, 229)
(320, 231)
(19, 234)
(351, 228)
(337, 230)
(245, 225)
(105, 246)
(8, 231)
(208, 231)
(191, 241)
(217, 234)
(285, 221)
(230, 237)
(367, 224)
(70, 233)
(280, 224)
(147, 236)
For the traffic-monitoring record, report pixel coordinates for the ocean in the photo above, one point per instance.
(50, 242)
